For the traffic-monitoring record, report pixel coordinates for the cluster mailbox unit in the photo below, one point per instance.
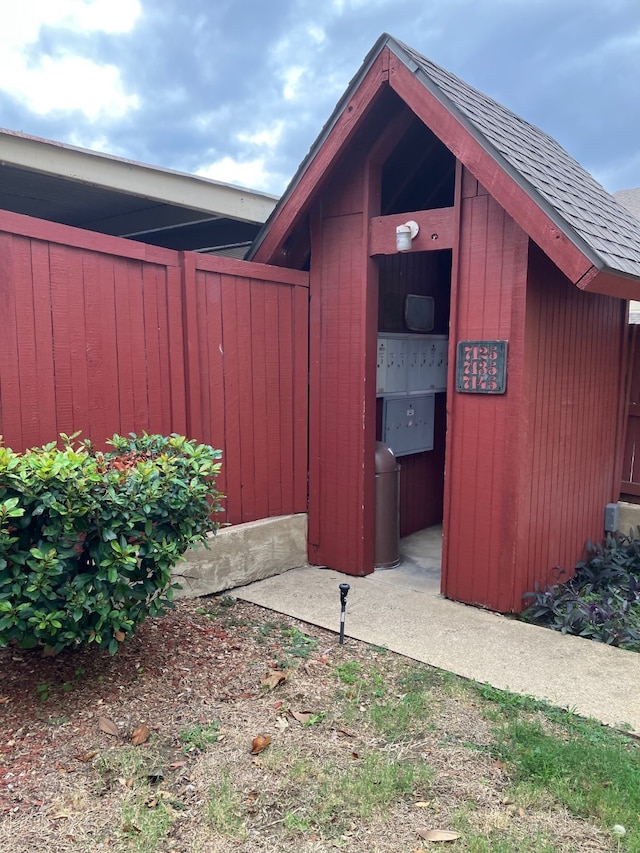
(411, 370)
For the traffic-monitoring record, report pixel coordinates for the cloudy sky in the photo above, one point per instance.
(237, 90)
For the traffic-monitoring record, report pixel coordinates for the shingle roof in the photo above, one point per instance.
(602, 229)
(631, 200)
(576, 202)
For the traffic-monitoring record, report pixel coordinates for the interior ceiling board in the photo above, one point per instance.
(119, 214)
(67, 202)
(203, 235)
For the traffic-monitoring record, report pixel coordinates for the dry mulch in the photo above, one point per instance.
(71, 780)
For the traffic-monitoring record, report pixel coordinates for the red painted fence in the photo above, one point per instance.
(630, 486)
(105, 335)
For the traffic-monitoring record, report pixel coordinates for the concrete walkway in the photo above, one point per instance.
(401, 609)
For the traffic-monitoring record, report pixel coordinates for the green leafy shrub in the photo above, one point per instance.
(601, 601)
(88, 539)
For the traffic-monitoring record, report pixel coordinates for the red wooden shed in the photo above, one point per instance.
(529, 263)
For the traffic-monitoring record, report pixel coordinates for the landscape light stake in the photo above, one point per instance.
(344, 589)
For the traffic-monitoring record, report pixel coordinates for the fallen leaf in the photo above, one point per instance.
(259, 743)
(438, 835)
(273, 679)
(140, 735)
(3, 699)
(152, 803)
(130, 827)
(521, 812)
(343, 733)
(500, 764)
(176, 764)
(354, 755)
(277, 706)
(120, 636)
(282, 723)
(108, 726)
(301, 716)
(86, 756)
(59, 816)
(423, 804)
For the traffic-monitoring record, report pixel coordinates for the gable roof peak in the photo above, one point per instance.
(605, 234)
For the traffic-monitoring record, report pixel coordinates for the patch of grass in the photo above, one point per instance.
(362, 684)
(402, 714)
(333, 797)
(58, 721)
(145, 826)
(294, 824)
(326, 797)
(349, 672)
(293, 642)
(199, 737)
(299, 644)
(130, 763)
(221, 612)
(225, 808)
(476, 839)
(401, 717)
(370, 784)
(418, 678)
(592, 771)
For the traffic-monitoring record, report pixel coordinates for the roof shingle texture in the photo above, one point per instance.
(568, 192)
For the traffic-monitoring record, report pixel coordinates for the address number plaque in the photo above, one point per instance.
(482, 367)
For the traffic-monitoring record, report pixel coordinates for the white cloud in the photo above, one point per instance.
(45, 83)
(292, 77)
(316, 33)
(246, 173)
(23, 23)
(74, 83)
(268, 137)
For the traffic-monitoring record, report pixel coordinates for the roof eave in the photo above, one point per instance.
(114, 173)
(610, 282)
(320, 140)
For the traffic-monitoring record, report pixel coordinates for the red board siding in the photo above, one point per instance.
(529, 472)
(631, 453)
(574, 344)
(250, 341)
(105, 342)
(80, 343)
(483, 430)
(342, 416)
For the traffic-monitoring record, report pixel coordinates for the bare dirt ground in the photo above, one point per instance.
(194, 688)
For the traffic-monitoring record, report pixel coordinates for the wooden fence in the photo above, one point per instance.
(106, 335)
(630, 487)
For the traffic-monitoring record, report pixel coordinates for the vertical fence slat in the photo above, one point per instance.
(44, 342)
(208, 347)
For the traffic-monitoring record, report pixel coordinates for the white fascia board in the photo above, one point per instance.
(139, 179)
